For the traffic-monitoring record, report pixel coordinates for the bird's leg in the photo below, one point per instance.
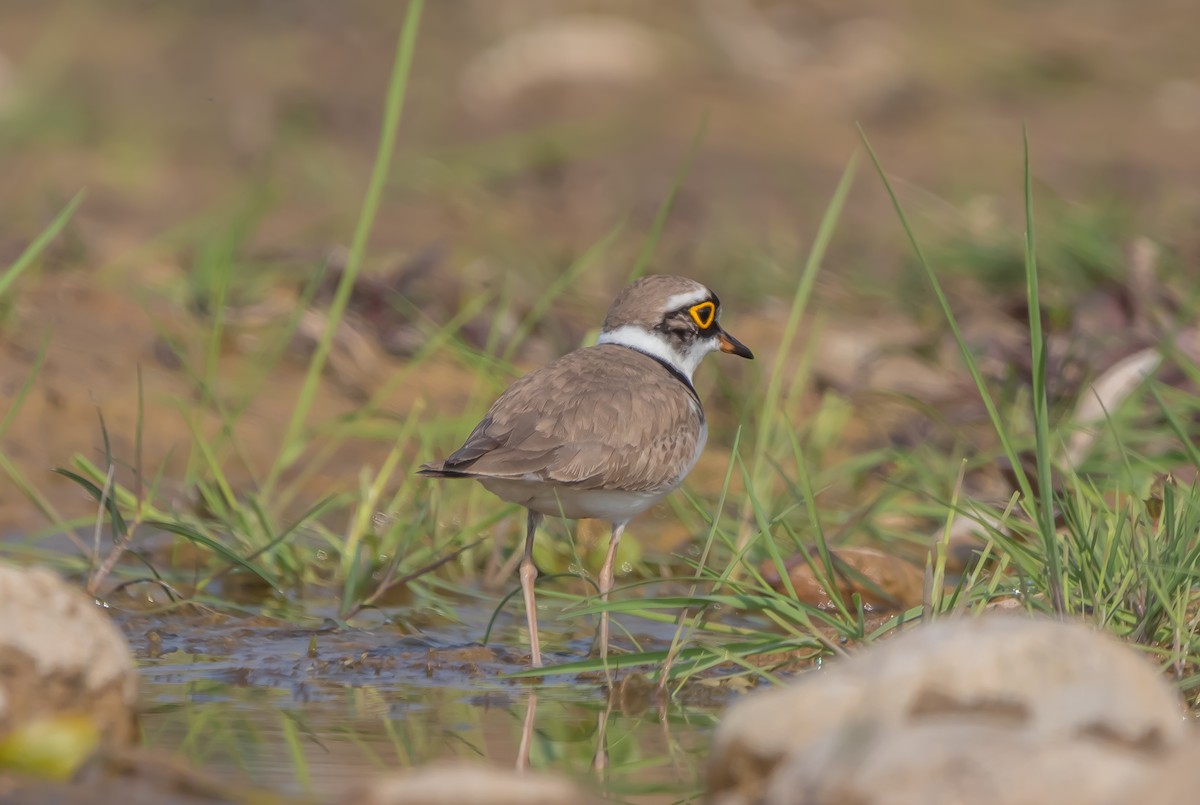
(527, 734)
(600, 757)
(529, 574)
(606, 583)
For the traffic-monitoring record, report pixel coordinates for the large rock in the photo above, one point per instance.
(60, 655)
(468, 784)
(1000, 709)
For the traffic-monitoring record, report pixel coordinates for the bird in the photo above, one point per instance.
(605, 431)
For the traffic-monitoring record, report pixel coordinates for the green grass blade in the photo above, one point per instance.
(1041, 406)
(397, 90)
(192, 535)
(107, 499)
(965, 352)
(26, 258)
(770, 426)
(566, 279)
(30, 378)
(1193, 453)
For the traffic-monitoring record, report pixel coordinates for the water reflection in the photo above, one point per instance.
(252, 702)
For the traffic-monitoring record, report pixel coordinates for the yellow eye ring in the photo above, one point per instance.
(703, 314)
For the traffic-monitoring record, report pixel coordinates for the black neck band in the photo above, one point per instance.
(674, 370)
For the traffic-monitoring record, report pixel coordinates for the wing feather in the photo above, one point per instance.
(603, 417)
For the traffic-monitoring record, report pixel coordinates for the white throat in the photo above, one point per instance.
(643, 340)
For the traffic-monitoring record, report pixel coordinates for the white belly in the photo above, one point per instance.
(577, 504)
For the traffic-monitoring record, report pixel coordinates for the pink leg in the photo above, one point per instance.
(529, 574)
(606, 583)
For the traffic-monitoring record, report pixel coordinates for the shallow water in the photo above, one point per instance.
(308, 712)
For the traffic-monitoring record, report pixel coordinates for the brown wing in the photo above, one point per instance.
(603, 417)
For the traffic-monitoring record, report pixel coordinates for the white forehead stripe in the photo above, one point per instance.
(687, 298)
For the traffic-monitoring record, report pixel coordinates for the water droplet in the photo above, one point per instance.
(321, 555)
(626, 568)
(573, 569)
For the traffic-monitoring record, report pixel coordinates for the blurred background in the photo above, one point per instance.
(243, 133)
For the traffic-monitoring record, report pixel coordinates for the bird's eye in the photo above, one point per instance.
(703, 314)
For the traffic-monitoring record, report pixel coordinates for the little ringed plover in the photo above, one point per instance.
(605, 431)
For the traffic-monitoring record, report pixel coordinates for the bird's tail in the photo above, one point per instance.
(438, 469)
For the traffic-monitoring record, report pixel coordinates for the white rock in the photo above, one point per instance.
(942, 697)
(59, 652)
